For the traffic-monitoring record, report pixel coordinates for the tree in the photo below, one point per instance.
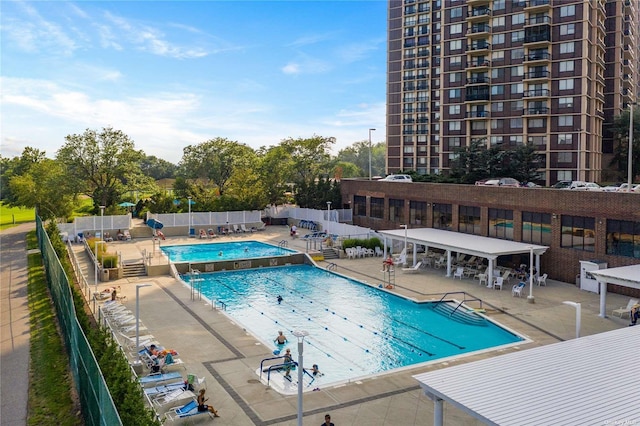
(44, 186)
(157, 168)
(358, 155)
(621, 146)
(103, 165)
(214, 162)
(17, 166)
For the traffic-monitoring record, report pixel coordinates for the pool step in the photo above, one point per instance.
(461, 314)
(330, 253)
(134, 270)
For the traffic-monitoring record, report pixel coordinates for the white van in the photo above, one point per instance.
(398, 178)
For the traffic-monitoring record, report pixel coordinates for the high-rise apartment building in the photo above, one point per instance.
(551, 73)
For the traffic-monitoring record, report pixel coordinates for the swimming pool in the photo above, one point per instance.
(355, 330)
(223, 251)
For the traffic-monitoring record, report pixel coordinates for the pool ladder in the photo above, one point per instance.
(279, 366)
(458, 312)
(283, 243)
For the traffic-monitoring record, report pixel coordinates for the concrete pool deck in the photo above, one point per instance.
(212, 346)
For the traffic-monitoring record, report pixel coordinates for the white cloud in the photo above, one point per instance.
(291, 68)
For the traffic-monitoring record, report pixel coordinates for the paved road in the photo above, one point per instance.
(15, 332)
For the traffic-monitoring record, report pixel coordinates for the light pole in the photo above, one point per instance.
(530, 298)
(300, 334)
(95, 273)
(578, 311)
(138, 287)
(630, 155)
(189, 202)
(102, 221)
(405, 239)
(370, 130)
(328, 210)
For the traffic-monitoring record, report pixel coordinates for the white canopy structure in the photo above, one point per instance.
(585, 381)
(626, 276)
(474, 245)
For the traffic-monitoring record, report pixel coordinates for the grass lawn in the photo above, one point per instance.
(50, 387)
(10, 216)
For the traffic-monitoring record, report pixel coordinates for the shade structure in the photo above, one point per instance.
(126, 204)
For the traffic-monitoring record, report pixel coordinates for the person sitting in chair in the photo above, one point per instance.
(635, 313)
(203, 407)
(387, 264)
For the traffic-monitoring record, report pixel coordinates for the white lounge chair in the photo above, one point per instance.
(172, 397)
(188, 410)
(625, 310)
(414, 268)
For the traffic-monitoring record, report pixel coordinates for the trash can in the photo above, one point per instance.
(105, 275)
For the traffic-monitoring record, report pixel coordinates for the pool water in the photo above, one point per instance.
(355, 330)
(223, 251)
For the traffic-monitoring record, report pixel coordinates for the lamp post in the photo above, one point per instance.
(300, 334)
(102, 221)
(328, 210)
(405, 238)
(189, 202)
(370, 130)
(630, 155)
(138, 287)
(578, 311)
(530, 298)
(95, 273)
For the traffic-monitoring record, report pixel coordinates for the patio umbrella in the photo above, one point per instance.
(126, 204)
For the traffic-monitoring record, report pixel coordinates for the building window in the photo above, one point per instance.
(566, 66)
(517, 54)
(517, 88)
(377, 208)
(517, 36)
(498, 89)
(455, 29)
(359, 205)
(455, 45)
(454, 142)
(497, 21)
(578, 233)
(417, 213)
(501, 224)
(496, 140)
(455, 61)
(442, 216)
(396, 210)
(515, 140)
(565, 102)
(565, 157)
(515, 123)
(455, 93)
(456, 12)
(623, 238)
(497, 56)
(565, 120)
(569, 10)
(498, 4)
(454, 109)
(536, 228)
(567, 29)
(537, 123)
(568, 47)
(565, 174)
(469, 220)
(566, 84)
(565, 139)
(517, 19)
(497, 39)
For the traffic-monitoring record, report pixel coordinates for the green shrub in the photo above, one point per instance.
(370, 243)
(109, 260)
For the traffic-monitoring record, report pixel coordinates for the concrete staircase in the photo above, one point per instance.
(134, 270)
(330, 253)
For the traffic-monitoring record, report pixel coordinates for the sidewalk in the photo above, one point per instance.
(15, 331)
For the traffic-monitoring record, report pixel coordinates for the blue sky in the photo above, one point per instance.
(174, 73)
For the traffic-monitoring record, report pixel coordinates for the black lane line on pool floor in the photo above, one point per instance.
(253, 416)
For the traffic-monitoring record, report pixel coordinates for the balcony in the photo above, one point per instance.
(479, 45)
(422, 109)
(408, 87)
(537, 38)
(532, 75)
(628, 52)
(478, 114)
(538, 20)
(422, 120)
(477, 96)
(479, 29)
(478, 12)
(537, 56)
(537, 93)
(408, 132)
(483, 63)
(478, 80)
(537, 4)
(408, 109)
(408, 121)
(536, 111)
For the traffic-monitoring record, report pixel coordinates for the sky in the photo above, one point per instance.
(175, 73)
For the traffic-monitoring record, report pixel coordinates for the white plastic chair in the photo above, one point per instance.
(497, 282)
(625, 310)
(542, 280)
(517, 289)
(483, 279)
(458, 273)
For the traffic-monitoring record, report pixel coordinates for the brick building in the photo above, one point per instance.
(576, 225)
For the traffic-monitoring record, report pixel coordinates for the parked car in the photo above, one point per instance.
(509, 182)
(634, 187)
(590, 186)
(574, 184)
(611, 188)
(398, 178)
(562, 184)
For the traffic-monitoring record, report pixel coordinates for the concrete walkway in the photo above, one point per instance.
(14, 322)
(214, 347)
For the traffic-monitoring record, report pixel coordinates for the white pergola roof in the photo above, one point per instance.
(585, 381)
(627, 276)
(474, 245)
